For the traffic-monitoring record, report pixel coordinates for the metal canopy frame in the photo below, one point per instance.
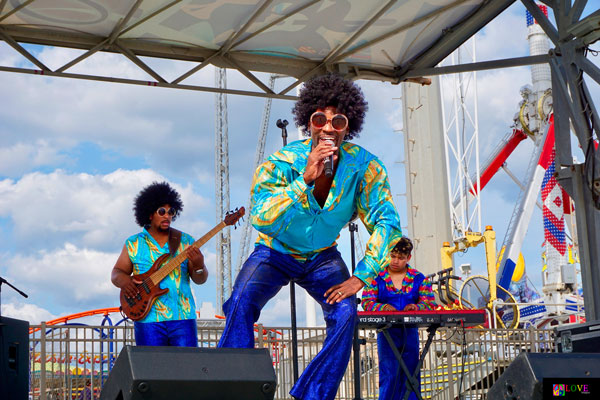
(456, 20)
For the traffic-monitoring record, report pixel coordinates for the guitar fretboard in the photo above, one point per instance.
(175, 262)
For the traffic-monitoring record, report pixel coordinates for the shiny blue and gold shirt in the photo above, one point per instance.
(290, 220)
(178, 303)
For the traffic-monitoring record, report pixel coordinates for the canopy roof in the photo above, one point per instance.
(362, 39)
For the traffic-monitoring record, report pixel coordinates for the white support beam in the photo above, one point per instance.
(426, 183)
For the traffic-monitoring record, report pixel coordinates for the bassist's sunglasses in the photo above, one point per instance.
(162, 211)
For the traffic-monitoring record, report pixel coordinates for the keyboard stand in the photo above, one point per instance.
(411, 378)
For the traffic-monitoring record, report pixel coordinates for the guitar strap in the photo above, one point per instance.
(174, 240)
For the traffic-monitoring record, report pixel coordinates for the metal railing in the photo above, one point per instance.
(64, 357)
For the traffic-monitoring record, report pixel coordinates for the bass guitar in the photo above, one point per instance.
(149, 290)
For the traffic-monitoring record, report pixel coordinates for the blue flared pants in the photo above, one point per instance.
(264, 273)
(182, 333)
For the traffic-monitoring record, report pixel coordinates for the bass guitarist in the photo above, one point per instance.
(171, 320)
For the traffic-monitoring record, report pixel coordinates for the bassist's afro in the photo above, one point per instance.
(151, 198)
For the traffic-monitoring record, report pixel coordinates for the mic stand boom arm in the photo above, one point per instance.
(2, 280)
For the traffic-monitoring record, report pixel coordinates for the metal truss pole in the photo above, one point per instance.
(461, 131)
(258, 158)
(222, 190)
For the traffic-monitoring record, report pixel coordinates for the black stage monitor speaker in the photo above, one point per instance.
(579, 338)
(187, 373)
(537, 376)
(14, 359)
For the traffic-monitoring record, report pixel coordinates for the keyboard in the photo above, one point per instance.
(378, 319)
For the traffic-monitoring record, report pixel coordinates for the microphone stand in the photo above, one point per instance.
(2, 280)
(282, 125)
(352, 227)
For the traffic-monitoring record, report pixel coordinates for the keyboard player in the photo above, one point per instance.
(399, 287)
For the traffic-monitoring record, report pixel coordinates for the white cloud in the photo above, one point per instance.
(27, 312)
(69, 276)
(89, 210)
(8, 55)
(505, 36)
(22, 157)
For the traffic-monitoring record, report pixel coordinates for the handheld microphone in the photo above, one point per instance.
(329, 162)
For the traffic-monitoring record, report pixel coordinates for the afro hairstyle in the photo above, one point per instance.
(331, 90)
(151, 198)
(403, 246)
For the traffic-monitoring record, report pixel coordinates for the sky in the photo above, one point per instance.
(74, 154)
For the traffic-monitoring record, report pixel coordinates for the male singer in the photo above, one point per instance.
(299, 209)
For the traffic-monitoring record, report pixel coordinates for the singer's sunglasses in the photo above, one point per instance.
(339, 122)
(162, 211)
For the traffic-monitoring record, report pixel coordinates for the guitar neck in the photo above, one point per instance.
(165, 270)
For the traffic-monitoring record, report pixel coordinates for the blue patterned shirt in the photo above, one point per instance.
(178, 303)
